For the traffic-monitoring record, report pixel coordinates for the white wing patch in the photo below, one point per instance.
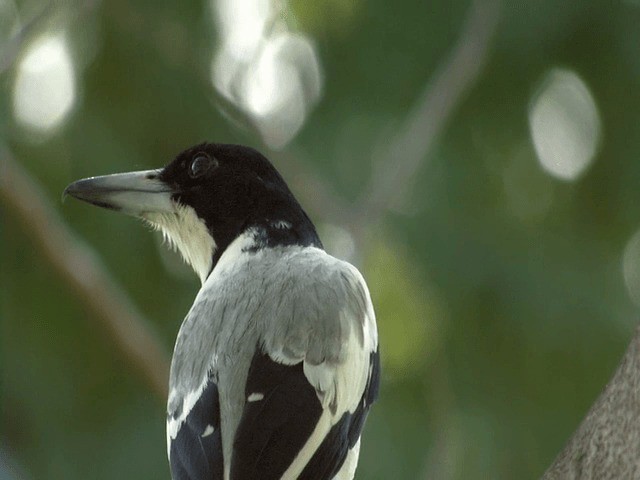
(188, 401)
(340, 385)
(207, 431)
(348, 469)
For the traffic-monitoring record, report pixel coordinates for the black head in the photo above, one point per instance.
(227, 189)
(234, 188)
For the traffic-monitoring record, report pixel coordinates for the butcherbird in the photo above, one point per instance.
(276, 364)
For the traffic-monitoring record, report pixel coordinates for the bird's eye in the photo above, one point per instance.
(200, 165)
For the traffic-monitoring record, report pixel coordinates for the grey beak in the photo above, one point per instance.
(134, 193)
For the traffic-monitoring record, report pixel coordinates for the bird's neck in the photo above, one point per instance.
(282, 233)
(188, 234)
(268, 234)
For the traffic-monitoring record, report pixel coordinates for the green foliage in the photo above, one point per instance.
(410, 317)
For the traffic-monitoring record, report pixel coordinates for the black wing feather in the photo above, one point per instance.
(273, 430)
(192, 456)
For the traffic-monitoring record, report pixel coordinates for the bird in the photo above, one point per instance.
(276, 364)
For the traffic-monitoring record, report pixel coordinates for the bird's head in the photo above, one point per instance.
(204, 199)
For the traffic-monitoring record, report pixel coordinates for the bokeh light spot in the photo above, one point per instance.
(45, 85)
(265, 69)
(564, 125)
(338, 241)
(242, 25)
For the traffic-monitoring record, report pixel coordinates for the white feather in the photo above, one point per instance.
(187, 233)
(255, 397)
(348, 469)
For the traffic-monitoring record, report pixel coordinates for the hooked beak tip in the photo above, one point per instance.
(75, 190)
(65, 193)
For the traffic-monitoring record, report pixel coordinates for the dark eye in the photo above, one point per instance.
(200, 165)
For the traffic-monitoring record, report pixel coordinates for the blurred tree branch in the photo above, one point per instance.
(32, 26)
(395, 168)
(52, 12)
(81, 269)
(76, 263)
(607, 443)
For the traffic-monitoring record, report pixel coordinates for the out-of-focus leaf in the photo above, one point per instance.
(409, 311)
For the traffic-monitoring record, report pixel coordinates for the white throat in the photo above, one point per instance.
(187, 233)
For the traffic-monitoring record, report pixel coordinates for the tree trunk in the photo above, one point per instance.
(607, 442)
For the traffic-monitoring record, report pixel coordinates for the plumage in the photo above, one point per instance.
(276, 364)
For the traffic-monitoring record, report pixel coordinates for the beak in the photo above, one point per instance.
(135, 193)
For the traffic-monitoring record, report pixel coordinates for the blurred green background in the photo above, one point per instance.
(505, 271)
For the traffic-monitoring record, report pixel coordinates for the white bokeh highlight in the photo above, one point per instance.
(45, 85)
(565, 125)
(242, 25)
(268, 71)
(338, 241)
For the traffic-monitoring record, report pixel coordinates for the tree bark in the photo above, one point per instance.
(607, 442)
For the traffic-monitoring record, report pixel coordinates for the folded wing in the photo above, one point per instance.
(312, 380)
